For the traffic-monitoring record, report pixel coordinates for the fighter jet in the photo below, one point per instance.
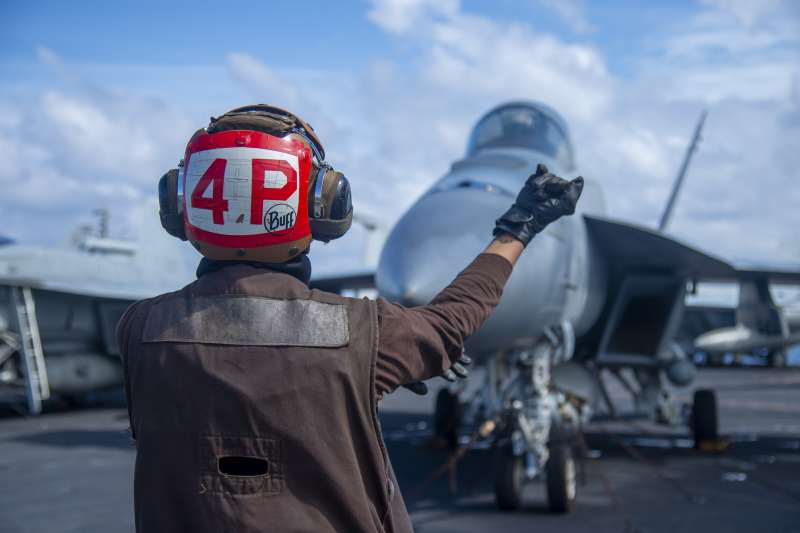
(591, 296)
(59, 308)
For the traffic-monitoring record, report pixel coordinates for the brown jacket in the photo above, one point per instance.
(253, 399)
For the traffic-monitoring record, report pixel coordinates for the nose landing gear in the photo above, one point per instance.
(513, 470)
(534, 418)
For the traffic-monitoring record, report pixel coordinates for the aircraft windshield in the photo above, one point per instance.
(521, 126)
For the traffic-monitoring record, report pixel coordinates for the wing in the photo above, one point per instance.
(629, 247)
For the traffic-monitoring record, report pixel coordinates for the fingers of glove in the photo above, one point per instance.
(576, 185)
(545, 187)
(573, 193)
(538, 177)
(556, 188)
(538, 182)
(465, 359)
(417, 387)
(564, 202)
(450, 376)
(459, 370)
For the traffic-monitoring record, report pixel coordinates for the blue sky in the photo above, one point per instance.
(337, 34)
(179, 33)
(98, 98)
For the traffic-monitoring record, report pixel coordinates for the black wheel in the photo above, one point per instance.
(509, 479)
(75, 401)
(777, 358)
(447, 418)
(562, 478)
(705, 422)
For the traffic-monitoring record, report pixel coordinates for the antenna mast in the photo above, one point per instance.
(662, 225)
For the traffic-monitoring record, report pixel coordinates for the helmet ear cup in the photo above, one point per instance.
(335, 209)
(171, 218)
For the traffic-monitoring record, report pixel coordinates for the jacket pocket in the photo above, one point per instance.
(240, 466)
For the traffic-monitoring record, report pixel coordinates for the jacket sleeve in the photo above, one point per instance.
(418, 343)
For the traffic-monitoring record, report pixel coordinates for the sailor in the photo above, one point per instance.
(252, 398)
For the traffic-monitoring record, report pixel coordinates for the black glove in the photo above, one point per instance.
(457, 370)
(543, 199)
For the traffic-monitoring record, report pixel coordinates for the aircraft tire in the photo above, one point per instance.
(75, 401)
(777, 359)
(562, 478)
(705, 420)
(447, 416)
(509, 479)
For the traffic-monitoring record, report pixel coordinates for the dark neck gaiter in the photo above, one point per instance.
(299, 267)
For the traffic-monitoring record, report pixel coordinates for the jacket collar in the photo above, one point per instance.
(299, 267)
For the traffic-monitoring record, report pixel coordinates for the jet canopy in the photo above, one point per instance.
(523, 125)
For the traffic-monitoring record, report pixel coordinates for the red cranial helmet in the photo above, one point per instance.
(254, 186)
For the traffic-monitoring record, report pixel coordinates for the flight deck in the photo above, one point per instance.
(71, 470)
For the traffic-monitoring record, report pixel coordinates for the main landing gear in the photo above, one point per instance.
(447, 419)
(704, 419)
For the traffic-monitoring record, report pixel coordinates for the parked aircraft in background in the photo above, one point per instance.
(714, 331)
(59, 308)
(760, 324)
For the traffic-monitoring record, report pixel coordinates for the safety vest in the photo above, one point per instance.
(253, 408)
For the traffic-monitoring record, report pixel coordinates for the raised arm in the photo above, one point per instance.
(422, 342)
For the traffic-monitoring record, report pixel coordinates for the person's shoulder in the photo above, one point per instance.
(334, 298)
(140, 308)
(131, 311)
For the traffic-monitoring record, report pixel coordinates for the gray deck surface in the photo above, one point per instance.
(70, 471)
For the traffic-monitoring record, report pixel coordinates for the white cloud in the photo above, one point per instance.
(750, 13)
(402, 16)
(631, 133)
(74, 147)
(473, 56)
(733, 49)
(573, 12)
(264, 81)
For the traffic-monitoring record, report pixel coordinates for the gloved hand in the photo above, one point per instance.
(543, 199)
(456, 371)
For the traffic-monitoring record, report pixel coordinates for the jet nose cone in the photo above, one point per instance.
(434, 241)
